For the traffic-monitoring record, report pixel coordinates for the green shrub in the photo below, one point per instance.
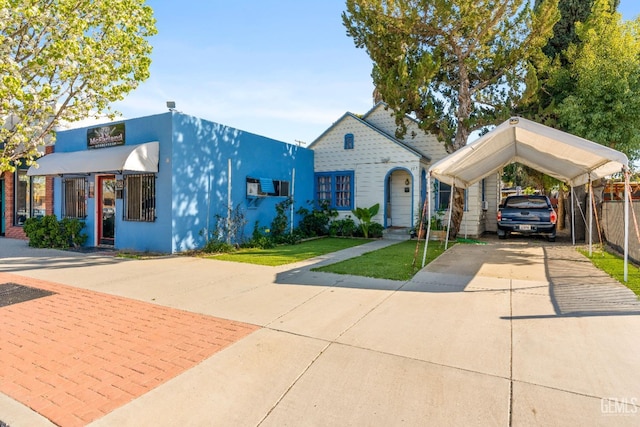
(260, 238)
(225, 228)
(217, 247)
(365, 215)
(345, 227)
(315, 222)
(280, 221)
(290, 238)
(48, 232)
(375, 230)
(227, 232)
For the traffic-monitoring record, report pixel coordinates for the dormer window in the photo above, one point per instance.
(348, 141)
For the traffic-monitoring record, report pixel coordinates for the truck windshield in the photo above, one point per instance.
(526, 203)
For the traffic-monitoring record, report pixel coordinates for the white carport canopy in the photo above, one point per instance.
(132, 158)
(571, 159)
(566, 157)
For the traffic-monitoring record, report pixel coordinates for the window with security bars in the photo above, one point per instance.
(74, 204)
(140, 198)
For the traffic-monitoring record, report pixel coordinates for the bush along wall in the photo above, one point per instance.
(48, 232)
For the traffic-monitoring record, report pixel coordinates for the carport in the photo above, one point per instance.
(568, 158)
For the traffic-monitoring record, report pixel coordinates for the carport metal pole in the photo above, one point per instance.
(626, 224)
(427, 236)
(293, 190)
(590, 217)
(229, 206)
(446, 239)
(573, 218)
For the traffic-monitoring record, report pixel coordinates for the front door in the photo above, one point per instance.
(399, 198)
(106, 210)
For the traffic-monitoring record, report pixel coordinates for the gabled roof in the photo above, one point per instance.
(569, 158)
(386, 106)
(375, 129)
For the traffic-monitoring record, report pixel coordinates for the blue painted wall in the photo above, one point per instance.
(139, 236)
(149, 236)
(201, 152)
(192, 179)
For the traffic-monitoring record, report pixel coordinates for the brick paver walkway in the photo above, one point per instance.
(77, 355)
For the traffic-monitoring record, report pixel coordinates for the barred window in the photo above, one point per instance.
(74, 203)
(140, 198)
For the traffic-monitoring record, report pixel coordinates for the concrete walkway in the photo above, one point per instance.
(520, 332)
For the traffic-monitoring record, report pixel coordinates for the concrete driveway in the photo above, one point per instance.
(520, 332)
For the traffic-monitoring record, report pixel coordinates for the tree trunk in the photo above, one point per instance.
(457, 210)
(461, 138)
(561, 208)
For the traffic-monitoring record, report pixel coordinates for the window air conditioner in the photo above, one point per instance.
(252, 189)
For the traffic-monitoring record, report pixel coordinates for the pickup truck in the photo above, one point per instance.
(527, 214)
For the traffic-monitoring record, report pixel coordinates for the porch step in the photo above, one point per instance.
(396, 233)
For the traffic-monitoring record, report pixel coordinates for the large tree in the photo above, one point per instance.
(457, 65)
(604, 104)
(557, 76)
(554, 81)
(65, 60)
(564, 31)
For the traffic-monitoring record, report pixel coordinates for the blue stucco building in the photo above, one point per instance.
(159, 183)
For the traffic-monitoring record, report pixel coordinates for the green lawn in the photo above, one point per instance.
(613, 265)
(393, 262)
(287, 254)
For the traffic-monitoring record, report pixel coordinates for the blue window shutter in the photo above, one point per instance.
(266, 185)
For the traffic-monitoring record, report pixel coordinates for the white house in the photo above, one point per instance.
(359, 162)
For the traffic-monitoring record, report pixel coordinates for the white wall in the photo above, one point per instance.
(372, 157)
(415, 137)
(492, 196)
(375, 155)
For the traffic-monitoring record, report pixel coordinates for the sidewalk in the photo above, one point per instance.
(503, 334)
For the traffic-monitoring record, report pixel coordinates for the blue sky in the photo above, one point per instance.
(284, 69)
